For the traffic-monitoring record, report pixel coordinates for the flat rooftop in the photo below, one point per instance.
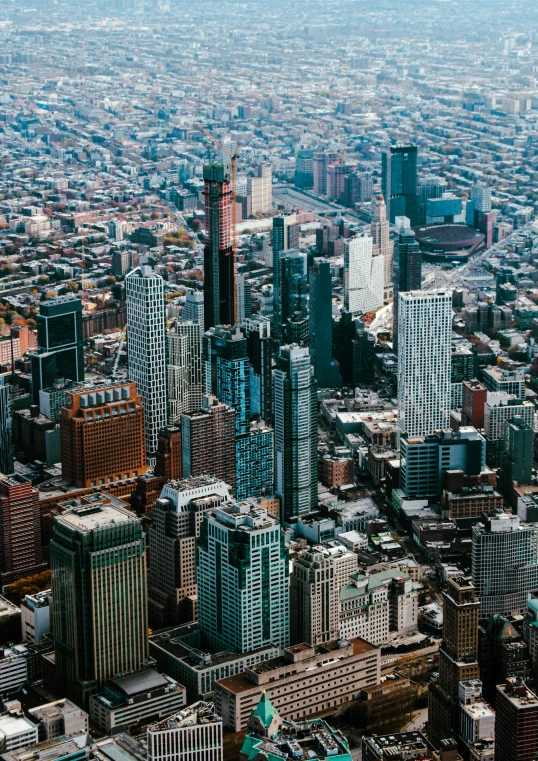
(91, 517)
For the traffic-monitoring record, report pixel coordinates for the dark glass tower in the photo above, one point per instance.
(59, 338)
(326, 370)
(219, 265)
(399, 182)
(227, 372)
(285, 235)
(407, 272)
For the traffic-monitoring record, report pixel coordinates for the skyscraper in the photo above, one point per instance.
(20, 530)
(168, 463)
(208, 441)
(458, 658)
(60, 347)
(254, 461)
(177, 516)
(260, 188)
(382, 244)
(227, 372)
(146, 348)
(296, 450)
(193, 311)
(326, 369)
(102, 434)
(304, 170)
(284, 235)
(242, 575)
(98, 561)
(257, 330)
(322, 160)
(407, 273)
(424, 331)
(6, 429)
(517, 454)
(481, 197)
(363, 276)
(314, 599)
(516, 718)
(185, 390)
(399, 182)
(219, 264)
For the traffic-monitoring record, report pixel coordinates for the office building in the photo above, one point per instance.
(227, 372)
(304, 170)
(314, 599)
(219, 264)
(457, 661)
(35, 616)
(363, 276)
(242, 575)
(504, 564)
(284, 235)
(59, 718)
(407, 273)
(424, 331)
(193, 733)
(429, 187)
(102, 434)
(257, 330)
(6, 429)
(168, 463)
(51, 400)
(517, 454)
(254, 461)
(326, 370)
(16, 731)
(146, 349)
(208, 441)
(98, 561)
(500, 380)
(20, 530)
(59, 339)
(382, 244)
(135, 698)
(270, 737)
(13, 669)
(193, 310)
(296, 449)
(399, 182)
(411, 745)
(516, 718)
(302, 681)
(425, 459)
(177, 516)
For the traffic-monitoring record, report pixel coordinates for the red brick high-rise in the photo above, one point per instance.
(20, 530)
(516, 722)
(168, 464)
(474, 398)
(208, 441)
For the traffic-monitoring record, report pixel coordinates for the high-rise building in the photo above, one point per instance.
(98, 561)
(504, 564)
(254, 461)
(296, 449)
(399, 182)
(457, 659)
(146, 348)
(244, 298)
(304, 170)
(196, 731)
(407, 273)
(123, 261)
(184, 369)
(115, 230)
(20, 530)
(284, 235)
(336, 176)
(314, 599)
(219, 264)
(481, 197)
(424, 332)
(322, 160)
(473, 403)
(382, 244)
(363, 276)
(257, 330)
(242, 574)
(326, 369)
(193, 311)
(168, 463)
(516, 719)
(177, 516)
(102, 434)
(60, 347)
(260, 188)
(429, 187)
(227, 372)
(517, 454)
(499, 408)
(208, 441)
(6, 429)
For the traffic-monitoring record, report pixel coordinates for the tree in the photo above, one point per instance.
(30, 585)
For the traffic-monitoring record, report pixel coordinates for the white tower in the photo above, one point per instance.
(363, 276)
(146, 348)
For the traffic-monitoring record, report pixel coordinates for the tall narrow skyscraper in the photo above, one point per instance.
(20, 530)
(399, 182)
(296, 447)
(219, 265)
(193, 311)
(257, 330)
(6, 429)
(146, 348)
(98, 561)
(326, 369)
(208, 441)
(424, 363)
(363, 276)
(285, 235)
(407, 273)
(185, 391)
(227, 372)
(382, 244)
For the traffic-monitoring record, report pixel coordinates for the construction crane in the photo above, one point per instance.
(233, 161)
(118, 351)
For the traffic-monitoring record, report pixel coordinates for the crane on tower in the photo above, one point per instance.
(233, 161)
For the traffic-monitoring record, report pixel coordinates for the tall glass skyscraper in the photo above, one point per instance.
(59, 338)
(321, 324)
(98, 561)
(399, 182)
(296, 440)
(227, 372)
(242, 577)
(146, 348)
(6, 430)
(407, 273)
